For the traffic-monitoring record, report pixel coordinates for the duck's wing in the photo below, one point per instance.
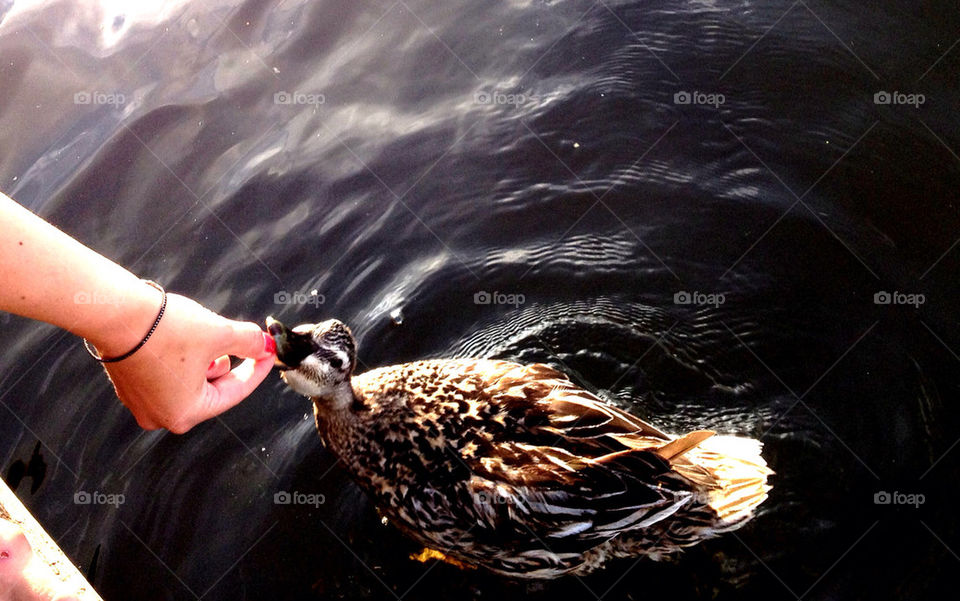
(558, 460)
(573, 412)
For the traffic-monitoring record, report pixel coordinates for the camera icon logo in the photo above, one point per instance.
(882, 498)
(682, 97)
(81, 98)
(882, 298)
(682, 298)
(282, 498)
(281, 298)
(82, 497)
(482, 97)
(482, 298)
(282, 98)
(882, 97)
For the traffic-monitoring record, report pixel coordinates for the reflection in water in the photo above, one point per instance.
(443, 151)
(34, 470)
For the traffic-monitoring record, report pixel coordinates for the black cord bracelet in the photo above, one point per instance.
(163, 307)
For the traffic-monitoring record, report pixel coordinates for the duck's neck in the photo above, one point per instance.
(341, 398)
(336, 417)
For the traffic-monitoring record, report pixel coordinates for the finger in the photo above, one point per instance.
(218, 367)
(246, 339)
(234, 386)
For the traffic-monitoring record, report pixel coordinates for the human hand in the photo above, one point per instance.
(182, 375)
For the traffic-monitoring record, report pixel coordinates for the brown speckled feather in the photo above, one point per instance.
(504, 465)
(514, 468)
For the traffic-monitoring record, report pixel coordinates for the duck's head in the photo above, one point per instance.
(317, 360)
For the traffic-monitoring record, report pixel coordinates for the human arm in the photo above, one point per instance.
(182, 374)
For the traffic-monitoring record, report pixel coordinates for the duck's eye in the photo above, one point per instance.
(336, 362)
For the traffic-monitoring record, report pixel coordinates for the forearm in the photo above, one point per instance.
(47, 275)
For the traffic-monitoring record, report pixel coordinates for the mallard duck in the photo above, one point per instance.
(513, 468)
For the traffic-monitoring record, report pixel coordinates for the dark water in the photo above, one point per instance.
(535, 149)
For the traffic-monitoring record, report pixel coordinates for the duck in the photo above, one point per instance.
(513, 468)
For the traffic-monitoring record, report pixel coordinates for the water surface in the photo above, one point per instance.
(391, 164)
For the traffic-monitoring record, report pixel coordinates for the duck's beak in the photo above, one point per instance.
(292, 347)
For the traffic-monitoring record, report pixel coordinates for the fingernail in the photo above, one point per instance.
(269, 345)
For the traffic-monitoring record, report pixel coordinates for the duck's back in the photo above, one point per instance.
(514, 467)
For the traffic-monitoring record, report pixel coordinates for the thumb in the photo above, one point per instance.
(246, 339)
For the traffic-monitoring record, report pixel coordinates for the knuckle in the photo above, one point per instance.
(180, 426)
(144, 422)
(224, 331)
(252, 331)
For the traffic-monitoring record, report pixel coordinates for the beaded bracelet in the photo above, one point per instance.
(163, 306)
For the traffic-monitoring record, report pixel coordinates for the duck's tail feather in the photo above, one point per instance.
(681, 445)
(730, 475)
